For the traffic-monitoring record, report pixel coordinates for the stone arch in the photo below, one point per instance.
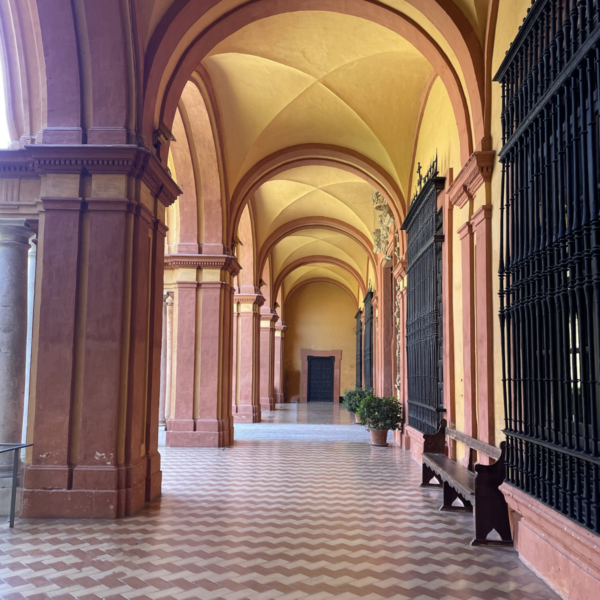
(307, 260)
(161, 97)
(208, 168)
(317, 154)
(314, 223)
(300, 285)
(246, 252)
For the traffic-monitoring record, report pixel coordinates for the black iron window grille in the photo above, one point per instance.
(550, 257)
(424, 306)
(368, 340)
(359, 336)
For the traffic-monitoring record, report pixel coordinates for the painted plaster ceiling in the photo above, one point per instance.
(322, 271)
(313, 191)
(317, 77)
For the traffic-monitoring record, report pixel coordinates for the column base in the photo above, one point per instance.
(267, 403)
(207, 433)
(97, 492)
(72, 504)
(246, 413)
(560, 552)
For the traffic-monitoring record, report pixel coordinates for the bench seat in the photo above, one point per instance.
(476, 487)
(460, 479)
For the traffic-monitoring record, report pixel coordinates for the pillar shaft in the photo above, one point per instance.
(14, 248)
(278, 384)
(267, 360)
(385, 336)
(203, 351)
(468, 309)
(95, 367)
(482, 225)
(247, 408)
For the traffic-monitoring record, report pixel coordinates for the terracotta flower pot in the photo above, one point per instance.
(356, 418)
(379, 437)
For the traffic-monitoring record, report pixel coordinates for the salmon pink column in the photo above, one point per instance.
(278, 386)
(95, 369)
(185, 298)
(267, 360)
(203, 350)
(482, 225)
(246, 396)
(468, 310)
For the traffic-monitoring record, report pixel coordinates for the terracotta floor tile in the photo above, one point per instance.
(283, 514)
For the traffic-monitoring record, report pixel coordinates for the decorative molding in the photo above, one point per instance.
(134, 161)
(472, 176)
(400, 269)
(254, 299)
(223, 262)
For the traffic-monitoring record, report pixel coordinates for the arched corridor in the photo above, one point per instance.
(228, 225)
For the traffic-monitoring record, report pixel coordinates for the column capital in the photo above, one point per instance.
(268, 320)
(472, 176)
(400, 269)
(15, 231)
(482, 215)
(465, 230)
(253, 299)
(206, 262)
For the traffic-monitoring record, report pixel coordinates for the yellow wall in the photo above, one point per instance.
(510, 16)
(438, 133)
(319, 316)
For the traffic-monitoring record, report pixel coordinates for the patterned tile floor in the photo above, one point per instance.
(269, 519)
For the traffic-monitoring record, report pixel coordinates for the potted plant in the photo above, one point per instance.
(353, 398)
(379, 415)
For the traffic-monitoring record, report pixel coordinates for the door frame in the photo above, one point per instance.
(304, 354)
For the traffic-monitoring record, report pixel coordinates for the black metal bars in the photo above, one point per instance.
(424, 307)
(368, 340)
(359, 341)
(15, 448)
(550, 257)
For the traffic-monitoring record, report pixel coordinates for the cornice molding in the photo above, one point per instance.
(223, 262)
(134, 161)
(472, 176)
(254, 299)
(400, 269)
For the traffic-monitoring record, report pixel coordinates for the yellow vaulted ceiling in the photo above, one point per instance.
(317, 77)
(313, 191)
(322, 271)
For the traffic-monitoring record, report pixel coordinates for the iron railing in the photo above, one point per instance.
(15, 449)
(550, 257)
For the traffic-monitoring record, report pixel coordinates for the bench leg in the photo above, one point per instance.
(493, 514)
(450, 495)
(428, 475)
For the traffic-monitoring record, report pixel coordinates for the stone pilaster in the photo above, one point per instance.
(267, 359)
(202, 413)
(278, 384)
(246, 406)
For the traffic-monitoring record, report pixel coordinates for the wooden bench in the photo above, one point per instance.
(476, 486)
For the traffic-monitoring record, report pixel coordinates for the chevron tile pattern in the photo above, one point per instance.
(265, 520)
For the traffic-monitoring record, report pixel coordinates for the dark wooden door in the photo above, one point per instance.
(320, 378)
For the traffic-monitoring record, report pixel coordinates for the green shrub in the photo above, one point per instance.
(353, 398)
(375, 412)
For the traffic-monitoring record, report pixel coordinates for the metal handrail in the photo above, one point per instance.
(13, 496)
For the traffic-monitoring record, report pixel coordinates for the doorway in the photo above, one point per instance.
(320, 378)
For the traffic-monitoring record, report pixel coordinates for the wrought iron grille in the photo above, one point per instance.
(424, 307)
(368, 341)
(550, 257)
(359, 335)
